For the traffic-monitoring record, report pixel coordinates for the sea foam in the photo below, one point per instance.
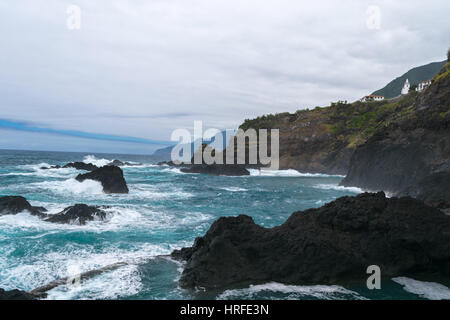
(271, 289)
(428, 290)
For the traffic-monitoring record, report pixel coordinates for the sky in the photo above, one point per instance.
(120, 76)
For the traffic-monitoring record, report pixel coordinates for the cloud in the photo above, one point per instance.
(144, 68)
(24, 126)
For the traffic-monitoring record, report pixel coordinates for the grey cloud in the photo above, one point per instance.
(144, 68)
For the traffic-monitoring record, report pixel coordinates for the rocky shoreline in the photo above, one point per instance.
(322, 246)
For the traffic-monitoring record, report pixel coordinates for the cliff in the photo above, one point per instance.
(323, 140)
(405, 155)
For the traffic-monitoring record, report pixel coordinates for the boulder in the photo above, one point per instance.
(16, 204)
(81, 166)
(111, 178)
(78, 214)
(16, 295)
(327, 245)
(51, 167)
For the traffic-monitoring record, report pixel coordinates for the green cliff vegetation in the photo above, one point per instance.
(323, 139)
(356, 120)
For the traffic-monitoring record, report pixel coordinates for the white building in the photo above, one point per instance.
(406, 87)
(371, 97)
(423, 85)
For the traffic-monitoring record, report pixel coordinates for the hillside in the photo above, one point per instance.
(323, 140)
(410, 156)
(415, 75)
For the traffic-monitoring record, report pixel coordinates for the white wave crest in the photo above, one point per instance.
(93, 160)
(428, 290)
(233, 189)
(293, 292)
(338, 188)
(72, 186)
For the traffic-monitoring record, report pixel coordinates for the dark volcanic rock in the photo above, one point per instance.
(434, 190)
(119, 163)
(116, 163)
(217, 169)
(326, 245)
(16, 295)
(411, 150)
(111, 178)
(16, 204)
(81, 166)
(51, 167)
(78, 214)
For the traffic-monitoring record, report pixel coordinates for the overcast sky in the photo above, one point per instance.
(140, 69)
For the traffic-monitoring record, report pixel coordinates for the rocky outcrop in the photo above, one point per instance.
(327, 245)
(77, 214)
(51, 167)
(81, 166)
(433, 190)
(16, 295)
(17, 204)
(111, 178)
(217, 169)
(411, 150)
(119, 163)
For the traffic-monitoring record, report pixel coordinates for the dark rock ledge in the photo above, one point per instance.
(336, 242)
(77, 214)
(17, 295)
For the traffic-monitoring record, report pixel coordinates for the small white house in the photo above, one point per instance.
(372, 97)
(406, 87)
(423, 85)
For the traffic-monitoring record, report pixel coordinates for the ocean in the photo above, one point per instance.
(164, 210)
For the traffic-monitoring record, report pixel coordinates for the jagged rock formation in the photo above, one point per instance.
(111, 178)
(326, 245)
(77, 214)
(81, 166)
(17, 204)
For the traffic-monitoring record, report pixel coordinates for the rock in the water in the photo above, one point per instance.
(16, 295)
(326, 245)
(217, 169)
(51, 167)
(78, 214)
(81, 166)
(121, 163)
(116, 163)
(16, 204)
(111, 178)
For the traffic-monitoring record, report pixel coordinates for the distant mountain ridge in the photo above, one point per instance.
(165, 154)
(415, 76)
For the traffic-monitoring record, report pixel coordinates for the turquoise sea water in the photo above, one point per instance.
(165, 210)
